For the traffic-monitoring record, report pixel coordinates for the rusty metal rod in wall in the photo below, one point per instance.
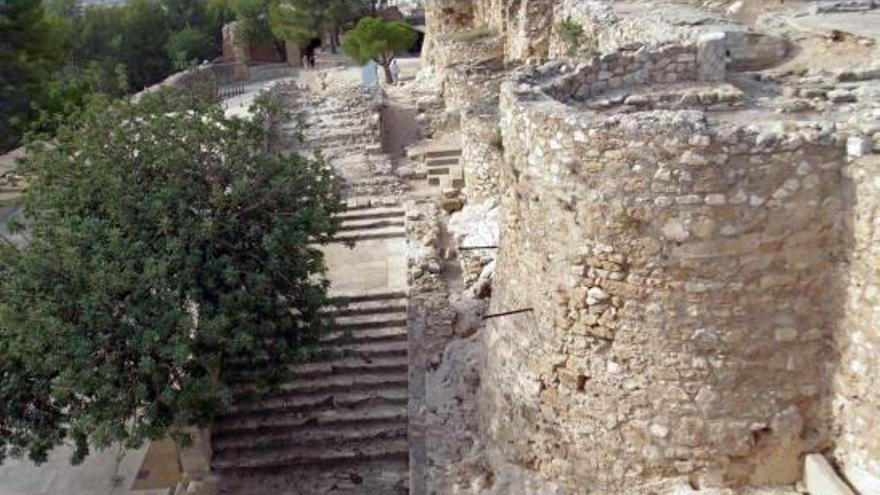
(508, 313)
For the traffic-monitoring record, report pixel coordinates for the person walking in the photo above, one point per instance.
(395, 72)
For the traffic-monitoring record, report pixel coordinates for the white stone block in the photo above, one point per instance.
(858, 146)
(863, 481)
(821, 479)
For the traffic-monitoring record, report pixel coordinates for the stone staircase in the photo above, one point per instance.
(343, 413)
(370, 223)
(340, 422)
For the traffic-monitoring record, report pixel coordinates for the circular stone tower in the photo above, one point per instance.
(678, 263)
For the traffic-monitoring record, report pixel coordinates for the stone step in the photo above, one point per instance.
(336, 366)
(290, 422)
(350, 365)
(442, 153)
(377, 477)
(368, 296)
(370, 223)
(375, 234)
(380, 334)
(364, 349)
(304, 457)
(317, 437)
(377, 396)
(367, 321)
(371, 213)
(372, 349)
(438, 171)
(341, 383)
(370, 307)
(444, 162)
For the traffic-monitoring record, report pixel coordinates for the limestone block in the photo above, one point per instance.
(711, 49)
(858, 146)
(863, 481)
(821, 479)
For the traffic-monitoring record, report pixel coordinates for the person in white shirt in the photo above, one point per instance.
(395, 71)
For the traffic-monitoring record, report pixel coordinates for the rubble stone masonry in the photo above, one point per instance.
(687, 287)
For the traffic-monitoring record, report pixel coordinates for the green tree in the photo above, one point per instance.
(165, 244)
(379, 40)
(144, 35)
(187, 46)
(27, 55)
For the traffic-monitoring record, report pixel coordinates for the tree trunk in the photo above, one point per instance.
(389, 78)
(332, 41)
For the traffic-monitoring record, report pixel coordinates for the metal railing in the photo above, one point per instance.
(227, 92)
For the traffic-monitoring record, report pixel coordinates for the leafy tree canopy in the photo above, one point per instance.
(302, 20)
(188, 46)
(378, 40)
(54, 52)
(165, 245)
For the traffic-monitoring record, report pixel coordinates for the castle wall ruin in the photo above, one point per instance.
(692, 275)
(683, 288)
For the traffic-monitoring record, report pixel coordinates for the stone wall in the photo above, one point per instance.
(668, 64)
(523, 27)
(481, 151)
(442, 17)
(856, 400)
(528, 30)
(200, 82)
(449, 51)
(681, 278)
(466, 84)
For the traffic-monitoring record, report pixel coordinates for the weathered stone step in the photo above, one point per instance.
(349, 365)
(438, 171)
(370, 320)
(372, 213)
(442, 153)
(368, 296)
(365, 477)
(373, 397)
(442, 162)
(382, 334)
(338, 366)
(370, 223)
(355, 349)
(370, 307)
(290, 422)
(341, 383)
(315, 436)
(375, 234)
(372, 350)
(392, 450)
